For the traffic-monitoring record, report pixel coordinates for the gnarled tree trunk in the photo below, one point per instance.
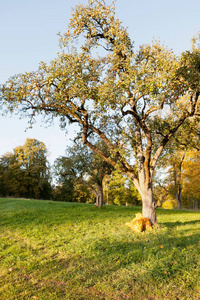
(148, 204)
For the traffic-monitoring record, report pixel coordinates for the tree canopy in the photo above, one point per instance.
(133, 101)
(26, 172)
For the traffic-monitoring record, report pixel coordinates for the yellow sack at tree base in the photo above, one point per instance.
(139, 224)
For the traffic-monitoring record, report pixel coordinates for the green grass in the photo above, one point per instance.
(51, 250)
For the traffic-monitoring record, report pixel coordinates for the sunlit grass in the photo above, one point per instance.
(52, 250)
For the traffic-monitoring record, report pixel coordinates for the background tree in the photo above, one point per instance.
(191, 176)
(71, 187)
(172, 163)
(180, 185)
(32, 157)
(65, 179)
(85, 168)
(120, 190)
(175, 171)
(26, 173)
(132, 101)
(182, 177)
(11, 176)
(69, 190)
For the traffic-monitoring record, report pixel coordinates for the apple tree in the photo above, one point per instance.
(131, 100)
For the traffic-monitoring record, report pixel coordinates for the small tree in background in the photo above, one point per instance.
(85, 167)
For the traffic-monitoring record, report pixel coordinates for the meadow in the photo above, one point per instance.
(56, 250)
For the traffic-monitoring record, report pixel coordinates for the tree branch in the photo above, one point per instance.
(173, 130)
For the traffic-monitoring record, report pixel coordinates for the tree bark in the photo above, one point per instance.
(148, 204)
(178, 181)
(195, 205)
(99, 197)
(178, 197)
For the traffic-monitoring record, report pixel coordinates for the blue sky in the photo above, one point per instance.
(28, 35)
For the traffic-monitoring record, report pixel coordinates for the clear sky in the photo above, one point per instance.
(28, 35)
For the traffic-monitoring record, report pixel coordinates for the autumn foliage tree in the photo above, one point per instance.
(180, 188)
(185, 144)
(133, 101)
(191, 177)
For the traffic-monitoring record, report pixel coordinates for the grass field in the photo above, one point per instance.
(51, 250)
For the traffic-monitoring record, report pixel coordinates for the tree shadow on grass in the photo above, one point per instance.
(179, 223)
(164, 211)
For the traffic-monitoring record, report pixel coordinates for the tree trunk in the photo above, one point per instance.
(178, 197)
(195, 205)
(148, 205)
(99, 197)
